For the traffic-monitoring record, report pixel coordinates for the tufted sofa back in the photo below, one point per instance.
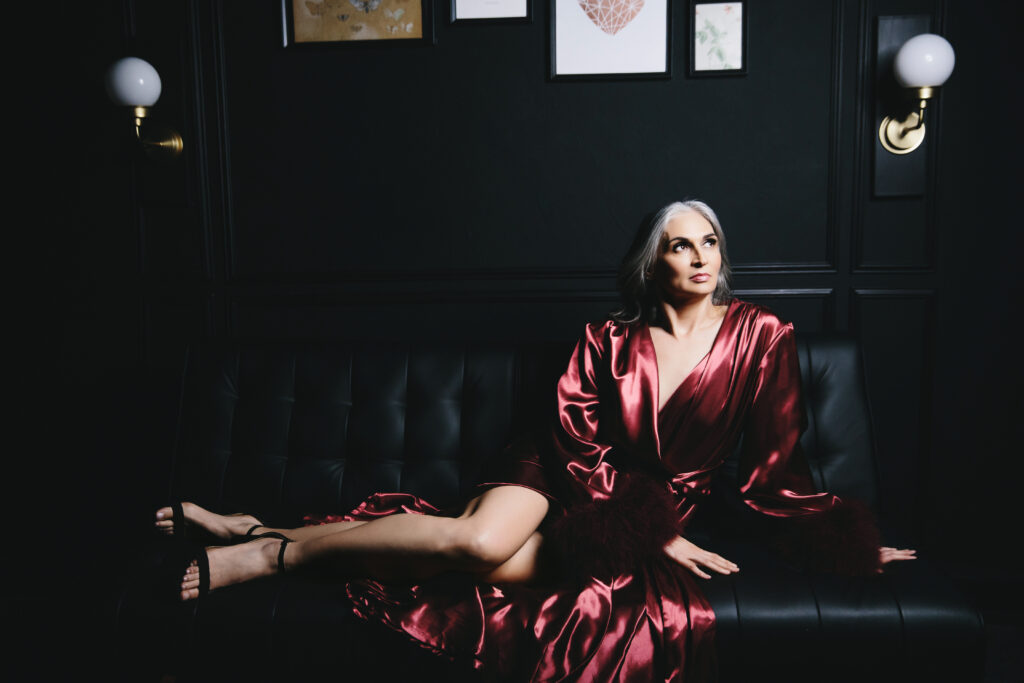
(283, 431)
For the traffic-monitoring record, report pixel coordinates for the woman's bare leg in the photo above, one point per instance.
(229, 527)
(489, 534)
(304, 533)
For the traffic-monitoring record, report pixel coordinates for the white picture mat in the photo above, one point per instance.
(727, 19)
(583, 48)
(489, 9)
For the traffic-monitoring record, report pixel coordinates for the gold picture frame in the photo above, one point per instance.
(357, 22)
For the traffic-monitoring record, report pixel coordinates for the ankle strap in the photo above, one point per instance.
(253, 528)
(280, 555)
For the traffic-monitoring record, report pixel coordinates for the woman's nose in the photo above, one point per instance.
(696, 259)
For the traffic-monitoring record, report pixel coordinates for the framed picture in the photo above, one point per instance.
(492, 11)
(357, 22)
(718, 38)
(610, 39)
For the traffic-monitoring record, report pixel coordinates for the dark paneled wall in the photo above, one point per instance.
(453, 191)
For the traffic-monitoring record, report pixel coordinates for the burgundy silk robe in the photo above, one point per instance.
(652, 623)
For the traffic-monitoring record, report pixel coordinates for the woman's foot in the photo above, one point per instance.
(235, 564)
(221, 527)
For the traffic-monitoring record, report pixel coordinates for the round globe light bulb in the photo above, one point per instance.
(924, 61)
(133, 82)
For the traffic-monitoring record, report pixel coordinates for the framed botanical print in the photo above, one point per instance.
(718, 38)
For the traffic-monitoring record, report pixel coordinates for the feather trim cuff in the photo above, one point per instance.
(843, 540)
(606, 538)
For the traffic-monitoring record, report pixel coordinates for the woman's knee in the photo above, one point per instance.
(481, 548)
(494, 526)
(524, 566)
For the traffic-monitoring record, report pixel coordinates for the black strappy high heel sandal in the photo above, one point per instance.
(203, 559)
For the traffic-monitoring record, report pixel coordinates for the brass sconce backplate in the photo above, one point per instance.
(901, 137)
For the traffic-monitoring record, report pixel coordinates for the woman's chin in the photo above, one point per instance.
(689, 296)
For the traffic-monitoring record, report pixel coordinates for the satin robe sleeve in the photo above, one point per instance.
(614, 518)
(816, 530)
(579, 455)
(565, 458)
(773, 474)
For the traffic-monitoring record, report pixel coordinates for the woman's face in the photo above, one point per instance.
(688, 258)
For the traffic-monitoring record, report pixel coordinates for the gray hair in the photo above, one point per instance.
(640, 299)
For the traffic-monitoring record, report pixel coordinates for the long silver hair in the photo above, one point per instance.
(640, 295)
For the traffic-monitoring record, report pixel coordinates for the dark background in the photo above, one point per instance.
(454, 191)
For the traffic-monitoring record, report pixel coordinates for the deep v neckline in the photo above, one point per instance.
(657, 367)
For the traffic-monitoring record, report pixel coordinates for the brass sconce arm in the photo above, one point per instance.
(157, 142)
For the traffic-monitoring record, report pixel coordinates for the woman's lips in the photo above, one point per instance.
(700, 277)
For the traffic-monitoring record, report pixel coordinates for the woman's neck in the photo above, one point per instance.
(680, 319)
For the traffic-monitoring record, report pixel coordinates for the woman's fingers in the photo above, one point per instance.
(721, 567)
(694, 558)
(887, 555)
(695, 568)
(715, 564)
(726, 566)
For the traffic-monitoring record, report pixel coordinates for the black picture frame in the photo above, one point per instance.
(692, 71)
(553, 74)
(528, 19)
(288, 29)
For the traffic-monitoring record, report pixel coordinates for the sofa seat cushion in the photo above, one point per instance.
(911, 623)
(773, 622)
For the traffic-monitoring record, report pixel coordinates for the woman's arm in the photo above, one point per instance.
(816, 530)
(575, 448)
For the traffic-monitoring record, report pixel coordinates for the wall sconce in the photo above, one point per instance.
(133, 82)
(922, 64)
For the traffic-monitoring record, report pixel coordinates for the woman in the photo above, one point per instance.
(651, 404)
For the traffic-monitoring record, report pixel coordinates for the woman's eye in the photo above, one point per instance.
(679, 246)
(711, 242)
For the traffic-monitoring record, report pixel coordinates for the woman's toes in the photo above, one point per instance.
(164, 520)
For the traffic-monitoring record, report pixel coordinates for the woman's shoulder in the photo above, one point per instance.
(756, 320)
(610, 328)
(605, 334)
(745, 312)
(602, 330)
(762, 322)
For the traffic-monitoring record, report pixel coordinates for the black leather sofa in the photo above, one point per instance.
(280, 432)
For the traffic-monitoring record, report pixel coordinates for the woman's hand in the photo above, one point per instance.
(693, 558)
(887, 555)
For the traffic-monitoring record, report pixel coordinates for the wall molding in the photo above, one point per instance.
(865, 143)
